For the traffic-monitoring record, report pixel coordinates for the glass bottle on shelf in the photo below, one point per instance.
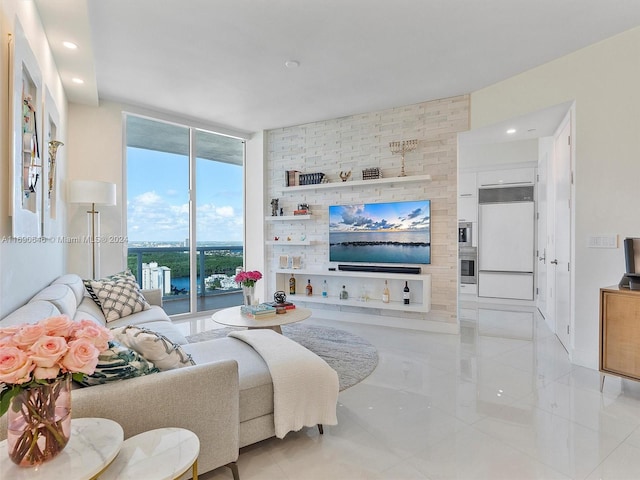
(309, 288)
(385, 293)
(292, 285)
(405, 293)
(324, 289)
(343, 293)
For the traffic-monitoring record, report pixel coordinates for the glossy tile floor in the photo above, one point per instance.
(498, 401)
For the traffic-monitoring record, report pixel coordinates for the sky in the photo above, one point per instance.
(158, 194)
(388, 217)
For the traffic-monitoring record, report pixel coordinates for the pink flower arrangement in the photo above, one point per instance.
(248, 279)
(40, 353)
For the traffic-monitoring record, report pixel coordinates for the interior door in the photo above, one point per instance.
(542, 205)
(562, 227)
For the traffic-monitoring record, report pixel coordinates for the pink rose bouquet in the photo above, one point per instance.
(39, 354)
(248, 279)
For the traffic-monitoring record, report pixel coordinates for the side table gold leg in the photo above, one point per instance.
(194, 470)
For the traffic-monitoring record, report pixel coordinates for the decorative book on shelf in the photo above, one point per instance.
(294, 178)
(258, 311)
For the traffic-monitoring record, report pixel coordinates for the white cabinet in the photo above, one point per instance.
(514, 176)
(364, 288)
(467, 186)
(467, 198)
(516, 286)
(468, 209)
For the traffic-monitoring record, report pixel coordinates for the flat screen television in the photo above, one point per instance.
(393, 232)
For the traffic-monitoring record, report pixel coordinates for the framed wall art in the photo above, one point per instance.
(25, 83)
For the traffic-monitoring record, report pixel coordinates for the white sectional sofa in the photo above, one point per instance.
(226, 398)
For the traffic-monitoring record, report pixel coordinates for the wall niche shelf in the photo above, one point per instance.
(290, 218)
(420, 285)
(359, 183)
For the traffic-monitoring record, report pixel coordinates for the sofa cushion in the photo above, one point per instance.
(118, 298)
(118, 363)
(126, 274)
(32, 312)
(153, 346)
(90, 311)
(61, 296)
(75, 283)
(256, 387)
(163, 327)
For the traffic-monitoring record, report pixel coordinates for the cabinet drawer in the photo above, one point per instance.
(517, 286)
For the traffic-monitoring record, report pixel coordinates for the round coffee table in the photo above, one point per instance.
(161, 454)
(93, 444)
(232, 317)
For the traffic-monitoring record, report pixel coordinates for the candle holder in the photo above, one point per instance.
(401, 148)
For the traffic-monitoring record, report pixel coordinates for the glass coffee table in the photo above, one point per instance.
(232, 317)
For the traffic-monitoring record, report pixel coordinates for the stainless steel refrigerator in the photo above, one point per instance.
(506, 242)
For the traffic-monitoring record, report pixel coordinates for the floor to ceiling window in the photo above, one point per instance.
(184, 213)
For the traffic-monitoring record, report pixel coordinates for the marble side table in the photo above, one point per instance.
(93, 445)
(162, 454)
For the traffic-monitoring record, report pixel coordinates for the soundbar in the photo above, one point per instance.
(379, 269)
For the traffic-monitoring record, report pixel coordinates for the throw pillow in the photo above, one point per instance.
(119, 298)
(156, 348)
(118, 363)
(116, 276)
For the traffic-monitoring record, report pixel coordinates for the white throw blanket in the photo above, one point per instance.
(305, 387)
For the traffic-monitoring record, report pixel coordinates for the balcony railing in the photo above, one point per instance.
(220, 259)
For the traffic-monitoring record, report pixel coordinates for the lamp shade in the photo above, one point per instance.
(92, 191)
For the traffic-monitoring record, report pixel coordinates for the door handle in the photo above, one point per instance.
(554, 262)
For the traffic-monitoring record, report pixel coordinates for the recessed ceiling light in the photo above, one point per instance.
(77, 80)
(511, 131)
(292, 64)
(70, 45)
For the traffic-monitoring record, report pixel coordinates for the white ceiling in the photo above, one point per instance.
(222, 61)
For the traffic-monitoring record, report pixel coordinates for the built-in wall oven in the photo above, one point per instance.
(468, 265)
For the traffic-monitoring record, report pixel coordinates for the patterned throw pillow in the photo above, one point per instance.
(116, 276)
(118, 363)
(119, 298)
(154, 347)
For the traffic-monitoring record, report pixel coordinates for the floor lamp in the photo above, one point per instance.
(93, 193)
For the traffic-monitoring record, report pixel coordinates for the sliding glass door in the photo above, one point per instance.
(184, 213)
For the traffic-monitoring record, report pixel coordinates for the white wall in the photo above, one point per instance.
(603, 80)
(27, 267)
(96, 153)
(255, 199)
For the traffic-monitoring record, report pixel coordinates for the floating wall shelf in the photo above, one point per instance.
(359, 183)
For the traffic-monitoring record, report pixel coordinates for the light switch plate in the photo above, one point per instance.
(602, 241)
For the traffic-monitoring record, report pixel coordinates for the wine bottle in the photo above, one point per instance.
(385, 293)
(324, 289)
(309, 288)
(292, 285)
(343, 293)
(405, 294)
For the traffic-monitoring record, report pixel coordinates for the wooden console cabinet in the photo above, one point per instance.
(619, 333)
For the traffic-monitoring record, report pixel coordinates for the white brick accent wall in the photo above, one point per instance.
(358, 142)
